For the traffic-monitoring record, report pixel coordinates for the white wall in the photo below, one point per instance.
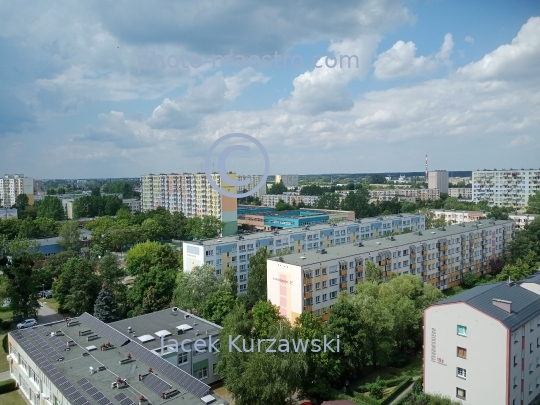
(487, 345)
(285, 288)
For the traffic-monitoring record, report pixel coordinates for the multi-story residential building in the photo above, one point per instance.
(133, 204)
(254, 181)
(8, 213)
(509, 188)
(483, 346)
(453, 217)
(83, 361)
(438, 179)
(272, 220)
(311, 281)
(419, 194)
(457, 180)
(522, 219)
(289, 180)
(191, 194)
(12, 185)
(235, 251)
(464, 193)
(270, 200)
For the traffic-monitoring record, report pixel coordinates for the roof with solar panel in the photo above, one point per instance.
(92, 363)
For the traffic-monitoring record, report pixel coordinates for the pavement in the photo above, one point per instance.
(404, 393)
(47, 315)
(5, 376)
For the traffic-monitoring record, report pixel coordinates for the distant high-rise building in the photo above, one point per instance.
(289, 180)
(12, 185)
(191, 194)
(438, 179)
(254, 181)
(505, 188)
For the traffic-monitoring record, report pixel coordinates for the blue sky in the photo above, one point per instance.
(457, 80)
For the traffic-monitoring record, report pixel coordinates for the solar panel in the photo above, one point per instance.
(156, 384)
(123, 399)
(105, 330)
(93, 392)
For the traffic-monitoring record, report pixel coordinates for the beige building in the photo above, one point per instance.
(289, 180)
(483, 346)
(270, 200)
(311, 281)
(418, 194)
(191, 194)
(460, 192)
(438, 179)
(12, 185)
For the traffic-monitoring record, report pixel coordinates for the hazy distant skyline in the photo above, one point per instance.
(459, 81)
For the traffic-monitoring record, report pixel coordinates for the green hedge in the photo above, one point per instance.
(7, 386)
(396, 391)
(362, 399)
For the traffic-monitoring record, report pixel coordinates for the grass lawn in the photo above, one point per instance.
(12, 398)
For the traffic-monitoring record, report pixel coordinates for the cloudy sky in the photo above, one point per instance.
(124, 88)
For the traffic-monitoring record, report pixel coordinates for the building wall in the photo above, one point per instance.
(417, 194)
(465, 193)
(12, 185)
(254, 180)
(458, 217)
(283, 282)
(522, 219)
(486, 365)
(438, 179)
(289, 180)
(505, 187)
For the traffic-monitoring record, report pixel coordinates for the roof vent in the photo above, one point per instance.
(302, 257)
(502, 304)
(175, 309)
(323, 251)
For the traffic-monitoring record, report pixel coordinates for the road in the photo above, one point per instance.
(47, 315)
(405, 392)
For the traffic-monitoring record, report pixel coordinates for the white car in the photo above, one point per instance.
(27, 324)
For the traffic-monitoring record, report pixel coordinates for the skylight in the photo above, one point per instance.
(163, 333)
(184, 327)
(146, 338)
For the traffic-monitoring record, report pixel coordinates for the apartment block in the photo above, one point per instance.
(191, 194)
(235, 251)
(464, 193)
(438, 179)
(254, 180)
(483, 346)
(293, 198)
(289, 180)
(505, 188)
(413, 193)
(133, 204)
(83, 361)
(12, 185)
(312, 280)
(8, 213)
(453, 217)
(522, 219)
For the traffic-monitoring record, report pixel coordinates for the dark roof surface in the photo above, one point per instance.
(525, 303)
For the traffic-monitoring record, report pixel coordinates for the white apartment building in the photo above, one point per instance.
(289, 180)
(505, 188)
(12, 185)
(453, 217)
(191, 194)
(460, 192)
(438, 179)
(133, 204)
(522, 219)
(270, 200)
(419, 194)
(312, 280)
(235, 251)
(8, 213)
(254, 180)
(483, 346)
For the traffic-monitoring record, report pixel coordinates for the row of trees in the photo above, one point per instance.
(96, 206)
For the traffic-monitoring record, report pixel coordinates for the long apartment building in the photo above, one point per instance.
(419, 194)
(83, 361)
(289, 180)
(235, 251)
(505, 188)
(456, 217)
(483, 346)
(12, 185)
(191, 194)
(270, 200)
(464, 193)
(311, 281)
(254, 181)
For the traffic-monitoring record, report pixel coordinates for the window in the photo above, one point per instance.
(515, 361)
(351, 290)
(462, 352)
(333, 294)
(461, 373)
(324, 297)
(351, 277)
(324, 284)
(462, 330)
(514, 336)
(460, 393)
(214, 367)
(317, 299)
(530, 347)
(317, 286)
(183, 358)
(317, 272)
(324, 271)
(202, 373)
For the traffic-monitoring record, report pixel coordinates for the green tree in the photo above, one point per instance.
(376, 388)
(142, 257)
(329, 201)
(105, 307)
(21, 202)
(256, 285)
(46, 227)
(9, 228)
(277, 188)
(359, 203)
(283, 206)
(70, 236)
(373, 273)
(230, 276)
(152, 291)
(217, 306)
(533, 204)
(521, 269)
(152, 230)
(469, 280)
(51, 207)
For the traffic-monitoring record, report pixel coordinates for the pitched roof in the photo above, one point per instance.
(525, 303)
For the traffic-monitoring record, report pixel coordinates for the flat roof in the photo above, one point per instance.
(282, 232)
(338, 252)
(71, 375)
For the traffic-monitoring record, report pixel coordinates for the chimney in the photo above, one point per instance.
(502, 304)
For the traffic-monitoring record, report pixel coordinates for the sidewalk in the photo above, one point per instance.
(4, 375)
(404, 393)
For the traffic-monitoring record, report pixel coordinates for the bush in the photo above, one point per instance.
(5, 344)
(7, 386)
(396, 391)
(376, 389)
(6, 324)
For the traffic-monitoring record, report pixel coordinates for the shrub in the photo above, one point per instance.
(5, 344)
(7, 386)
(6, 324)
(376, 389)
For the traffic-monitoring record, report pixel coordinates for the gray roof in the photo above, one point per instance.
(286, 231)
(525, 303)
(74, 364)
(85, 235)
(337, 252)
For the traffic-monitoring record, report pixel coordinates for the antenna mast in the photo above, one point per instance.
(426, 170)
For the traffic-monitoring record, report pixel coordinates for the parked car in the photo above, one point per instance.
(47, 294)
(27, 323)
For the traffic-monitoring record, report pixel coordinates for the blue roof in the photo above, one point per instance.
(525, 303)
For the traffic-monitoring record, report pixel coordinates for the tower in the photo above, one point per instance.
(426, 169)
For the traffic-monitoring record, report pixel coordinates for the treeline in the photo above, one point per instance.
(96, 206)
